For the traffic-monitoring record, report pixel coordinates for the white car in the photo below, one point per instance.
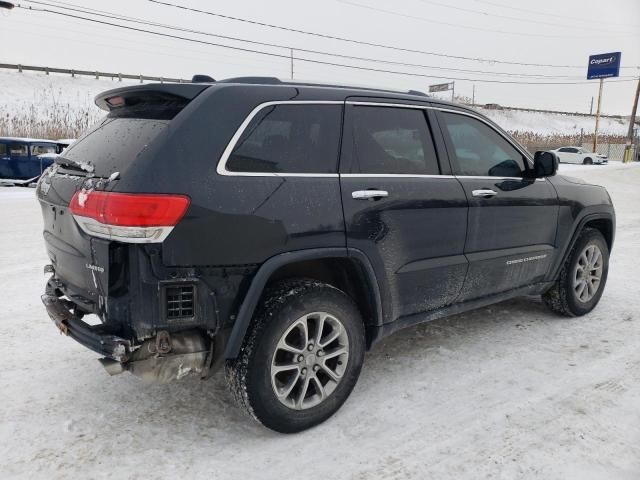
(579, 155)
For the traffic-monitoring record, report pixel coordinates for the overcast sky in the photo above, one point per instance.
(544, 32)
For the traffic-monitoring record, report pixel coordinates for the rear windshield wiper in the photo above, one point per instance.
(73, 164)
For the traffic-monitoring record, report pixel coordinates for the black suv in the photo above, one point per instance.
(282, 229)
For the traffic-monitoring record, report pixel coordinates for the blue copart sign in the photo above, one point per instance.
(604, 65)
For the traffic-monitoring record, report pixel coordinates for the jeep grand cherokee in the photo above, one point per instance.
(282, 229)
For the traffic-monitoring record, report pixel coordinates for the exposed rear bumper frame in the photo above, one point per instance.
(95, 337)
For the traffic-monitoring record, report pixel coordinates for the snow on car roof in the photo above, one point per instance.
(24, 139)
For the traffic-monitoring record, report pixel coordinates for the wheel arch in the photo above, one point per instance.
(347, 269)
(603, 222)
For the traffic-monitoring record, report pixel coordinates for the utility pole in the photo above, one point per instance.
(453, 90)
(291, 52)
(632, 122)
(473, 96)
(591, 107)
(595, 135)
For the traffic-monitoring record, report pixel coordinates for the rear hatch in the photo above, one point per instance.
(138, 116)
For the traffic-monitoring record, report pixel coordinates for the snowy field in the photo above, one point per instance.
(506, 392)
(22, 92)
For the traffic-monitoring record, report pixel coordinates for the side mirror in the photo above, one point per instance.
(545, 164)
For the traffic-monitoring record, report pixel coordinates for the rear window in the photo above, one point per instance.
(113, 144)
(289, 139)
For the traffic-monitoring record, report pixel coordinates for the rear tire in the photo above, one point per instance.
(583, 276)
(588, 161)
(290, 380)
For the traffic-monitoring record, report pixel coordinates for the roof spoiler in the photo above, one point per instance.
(125, 96)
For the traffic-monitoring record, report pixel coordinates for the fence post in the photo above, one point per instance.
(20, 68)
(97, 76)
(46, 70)
(119, 77)
(140, 78)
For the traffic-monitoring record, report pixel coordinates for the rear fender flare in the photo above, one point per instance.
(266, 270)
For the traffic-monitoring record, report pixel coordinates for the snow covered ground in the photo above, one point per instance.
(509, 391)
(544, 123)
(22, 92)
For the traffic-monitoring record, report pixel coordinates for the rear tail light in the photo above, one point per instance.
(128, 217)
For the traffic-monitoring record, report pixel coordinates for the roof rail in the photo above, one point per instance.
(253, 80)
(277, 81)
(198, 78)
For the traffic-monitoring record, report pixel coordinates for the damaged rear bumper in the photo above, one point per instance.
(160, 359)
(95, 337)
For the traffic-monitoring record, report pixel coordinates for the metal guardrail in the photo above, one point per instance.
(142, 78)
(521, 109)
(88, 73)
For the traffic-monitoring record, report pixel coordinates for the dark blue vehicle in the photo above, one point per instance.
(25, 159)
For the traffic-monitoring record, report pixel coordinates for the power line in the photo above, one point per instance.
(457, 25)
(506, 17)
(360, 42)
(302, 59)
(103, 13)
(554, 15)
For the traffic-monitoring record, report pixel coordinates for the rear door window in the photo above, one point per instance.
(479, 150)
(390, 140)
(18, 150)
(3, 149)
(287, 138)
(42, 149)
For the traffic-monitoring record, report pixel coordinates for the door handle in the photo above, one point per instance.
(369, 194)
(484, 193)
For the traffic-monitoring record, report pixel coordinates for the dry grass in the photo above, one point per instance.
(534, 141)
(62, 123)
(47, 117)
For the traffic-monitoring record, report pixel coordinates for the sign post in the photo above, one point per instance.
(595, 135)
(601, 66)
(443, 87)
(632, 121)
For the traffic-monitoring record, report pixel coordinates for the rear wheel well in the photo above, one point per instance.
(604, 226)
(345, 274)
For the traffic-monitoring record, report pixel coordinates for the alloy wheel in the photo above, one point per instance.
(310, 360)
(588, 273)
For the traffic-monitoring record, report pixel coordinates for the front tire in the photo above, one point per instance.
(301, 357)
(583, 277)
(588, 161)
